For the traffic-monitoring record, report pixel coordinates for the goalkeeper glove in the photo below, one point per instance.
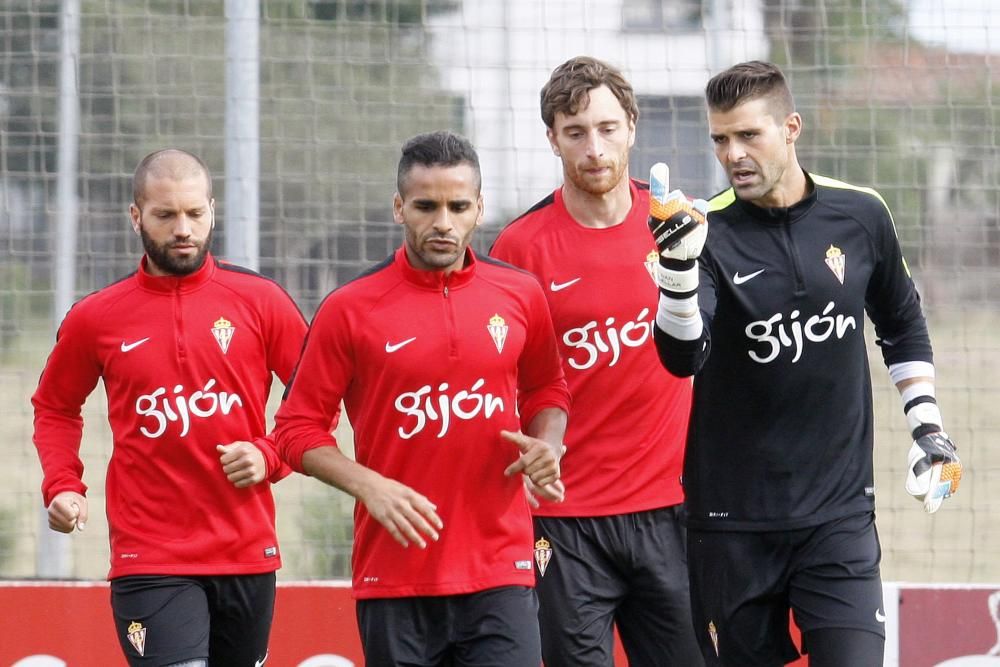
(933, 469)
(679, 229)
(678, 224)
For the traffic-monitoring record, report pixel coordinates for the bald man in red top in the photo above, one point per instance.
(186, 348)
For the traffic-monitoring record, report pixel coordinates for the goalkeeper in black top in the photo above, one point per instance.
(764, 305)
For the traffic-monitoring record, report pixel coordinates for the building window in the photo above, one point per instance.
(659, 15)
(674, 130)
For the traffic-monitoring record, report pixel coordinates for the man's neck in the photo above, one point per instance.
(793, 188)
(598, 211)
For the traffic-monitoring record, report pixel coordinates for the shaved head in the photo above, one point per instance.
(172, 163)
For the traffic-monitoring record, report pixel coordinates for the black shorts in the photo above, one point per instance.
(161, 620)
(627, 570)
(744, 583)
(497, 627)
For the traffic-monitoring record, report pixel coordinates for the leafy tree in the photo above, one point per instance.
(883, 109)
(343, 84)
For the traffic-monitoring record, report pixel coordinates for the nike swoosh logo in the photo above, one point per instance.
(126, 347)
(879, 616)
(739, 280)
(390, 348)
(260, 663)
(555, 287)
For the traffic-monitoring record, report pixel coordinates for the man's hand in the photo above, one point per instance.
(406, 514)
(243, 463)
(678, 225)
(934, 470)
(554, 492)
(539, 460)
(68, 510)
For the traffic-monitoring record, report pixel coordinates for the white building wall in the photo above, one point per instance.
(499, 54)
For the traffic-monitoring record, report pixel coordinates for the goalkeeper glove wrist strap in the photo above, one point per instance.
(677, 279)
(675, 264)
(920, 407)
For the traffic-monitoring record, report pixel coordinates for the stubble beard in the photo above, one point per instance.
(159, 255)
(428, 256)
(601, 186)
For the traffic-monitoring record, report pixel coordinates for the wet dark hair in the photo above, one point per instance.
(748, 81)
(437, 149)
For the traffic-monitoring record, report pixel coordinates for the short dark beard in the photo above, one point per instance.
(160, 257)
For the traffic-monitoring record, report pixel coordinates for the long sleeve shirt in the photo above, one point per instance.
(781, 431)
(187, 364)
(431, 367)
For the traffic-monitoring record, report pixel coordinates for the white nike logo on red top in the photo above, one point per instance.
(131, 346)
(555, 287)
(390, 347)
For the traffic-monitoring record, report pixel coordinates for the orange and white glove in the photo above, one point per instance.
(933, 470)
(679, 228)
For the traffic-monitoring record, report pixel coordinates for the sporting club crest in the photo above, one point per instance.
(543, 554)
(837, 261)
(498, 331)
(223, 331)
(137, 637)
(652, 261)
(714, 636)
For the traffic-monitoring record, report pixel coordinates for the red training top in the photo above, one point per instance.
(430, 368)
(186, 364)
(625, 440)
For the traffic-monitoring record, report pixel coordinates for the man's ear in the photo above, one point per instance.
(135, 215)
(793, 127)
(397, 208)
(550, 135)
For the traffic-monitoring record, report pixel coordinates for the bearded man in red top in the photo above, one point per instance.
(613, 553)
(186, 347)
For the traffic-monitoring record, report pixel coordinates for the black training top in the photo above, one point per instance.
(781, 428)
